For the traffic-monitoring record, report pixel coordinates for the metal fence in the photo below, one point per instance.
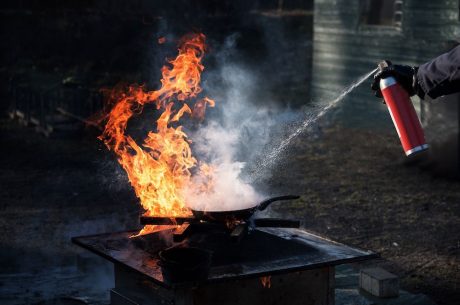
(53, 106)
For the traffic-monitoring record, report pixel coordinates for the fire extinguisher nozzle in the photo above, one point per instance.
(383, 64)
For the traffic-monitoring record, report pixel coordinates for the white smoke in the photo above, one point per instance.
(236, 131)
(219, 145)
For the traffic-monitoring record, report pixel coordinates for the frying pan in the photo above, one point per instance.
(238, 215)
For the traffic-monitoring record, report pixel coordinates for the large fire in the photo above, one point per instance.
(159, 170)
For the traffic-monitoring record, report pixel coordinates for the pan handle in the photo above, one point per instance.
(264, 204)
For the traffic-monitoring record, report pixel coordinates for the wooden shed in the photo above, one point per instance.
(350, 37)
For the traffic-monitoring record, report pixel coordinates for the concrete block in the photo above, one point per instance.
(379, 282)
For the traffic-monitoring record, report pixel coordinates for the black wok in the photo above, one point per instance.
(238, 215)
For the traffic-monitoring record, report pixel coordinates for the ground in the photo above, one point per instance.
(355, 187)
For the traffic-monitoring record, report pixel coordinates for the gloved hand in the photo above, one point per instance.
(404, 75)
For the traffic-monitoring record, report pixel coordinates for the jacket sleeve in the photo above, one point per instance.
(440, 76)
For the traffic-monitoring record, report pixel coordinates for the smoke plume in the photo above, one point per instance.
(236, 132)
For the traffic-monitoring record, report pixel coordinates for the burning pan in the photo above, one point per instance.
(238, 215)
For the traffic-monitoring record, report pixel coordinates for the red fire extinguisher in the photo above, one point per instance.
(403, 114)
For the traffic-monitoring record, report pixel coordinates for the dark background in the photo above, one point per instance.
(57, 180)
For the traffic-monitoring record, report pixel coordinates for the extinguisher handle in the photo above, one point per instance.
(384, 64)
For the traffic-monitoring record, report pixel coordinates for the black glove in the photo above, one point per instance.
(404, 75)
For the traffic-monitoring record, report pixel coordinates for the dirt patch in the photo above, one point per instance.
(357, 187)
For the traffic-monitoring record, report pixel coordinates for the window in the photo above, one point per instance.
(381, 12)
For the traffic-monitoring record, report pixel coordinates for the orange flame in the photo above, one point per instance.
(160, 168)
(161, 40)
(266, 281)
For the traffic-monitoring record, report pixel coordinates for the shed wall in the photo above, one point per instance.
(344, 49)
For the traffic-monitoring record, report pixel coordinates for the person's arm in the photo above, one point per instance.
(440, 76)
